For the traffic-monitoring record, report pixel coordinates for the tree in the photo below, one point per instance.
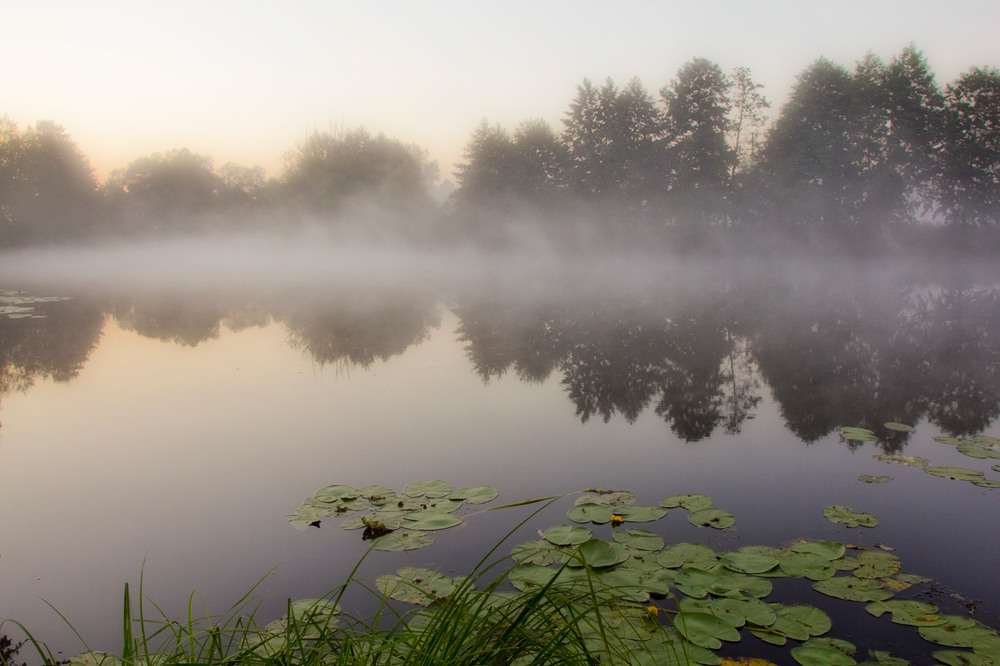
(971, 187)
(539, 158)
(747, 117)
(697, 104)
(47, 187)
(486, 177)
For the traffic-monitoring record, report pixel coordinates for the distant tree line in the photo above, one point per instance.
(851, 151)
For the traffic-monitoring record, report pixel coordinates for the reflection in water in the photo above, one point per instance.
(699, 358)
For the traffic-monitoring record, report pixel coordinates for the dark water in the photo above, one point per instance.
(169, 426)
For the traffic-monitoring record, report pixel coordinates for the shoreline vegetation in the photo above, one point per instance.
(571, 597)
(880, 156)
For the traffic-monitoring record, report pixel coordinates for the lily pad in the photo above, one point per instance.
(868, 478)
(691, 502)
(526, 576)
(415, 586)
(911, 461)
(694, 554)
(589, 513)
(641, 514)
(433, 488)
(716, 518)
(738, 612)
(539, 552)
(335, 493)
(956, 658)
(987, 440)
(875, 564)
(610, 498)
(956, 473)
(954, 441)
(599, 553)
(705, 629)
(830, 550)
(636, 539)
(748, 562)
(820, 656)
(475, 494)
(431, 520)
(847, 516)
(852, 588)
(978, 451)
(858, 434)
(567, 535)
(402, 540)
(908, 612)
(950, 632)
(898, 427)
(808, 565)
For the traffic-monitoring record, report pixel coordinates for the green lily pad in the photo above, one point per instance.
(738, 612)
(376, 493)
(732, 584)
(641, 514)
(987, 440)
(539, 552)
(868, 478)
(974, 450)
(882, 658)
(987, 645)
(820, 656)
(847, 516)
(808, 565)
(954, 441)
(526, 576)
(956, 658)
(402, 540)
(842, 646)
(589, 513)
(475, 494)
(852, 588)
(433, 488)
(986, 483)
(636, 539)
(956, 473)
(858, 434)
(716, 518)
(950, 632)
(705, 629)
(875, 564)
(336, 493)
(829, 550)
(567, 535)
(691, 502)
(911, 461)
(431, 520)
(415, 586)
(815, 621)
(898, 427)
(599, 553)
(748, 562)
(694, 554)
(908, 612)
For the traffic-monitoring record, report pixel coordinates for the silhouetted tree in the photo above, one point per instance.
(698, 105)
(972, 150)
(47, 187)
(486, 178)
(748, 115)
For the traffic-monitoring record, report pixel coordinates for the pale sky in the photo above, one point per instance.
(244, 80)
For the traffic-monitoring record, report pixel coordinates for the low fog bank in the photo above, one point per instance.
(518, 262)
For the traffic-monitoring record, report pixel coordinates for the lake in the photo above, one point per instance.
(164, 411)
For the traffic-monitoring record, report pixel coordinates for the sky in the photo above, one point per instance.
(244, 80)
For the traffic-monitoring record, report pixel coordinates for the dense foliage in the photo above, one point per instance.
(852, 152)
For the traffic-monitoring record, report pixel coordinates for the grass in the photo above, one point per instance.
(471, 620)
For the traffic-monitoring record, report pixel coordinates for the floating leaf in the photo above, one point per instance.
(431, 520)
(609, 498)
(852, 588)
(847, 516)
(599, 553)
(882, 658)
(815, 621)
(539, 552)
(956, 473)
(402, 540)
(809, 565)
(908, 612)
(956, 658)
(974, 450)
(431, 489)
(987, 440)
(738, 612)
(830, 550)
(950, 440)
(694, 554)
(730, 584)
(875, 564)
(525, 576)
(691, 502)
(858, 434)
(567, 535)
(475, 494)
(912, 461)
(705, 629)
(716, 518)
(638, 539)
(898, 427)
(950, 632)
(842, 646)
(867, 478)
(415, 586)
(641, 514)
(986, 483)
(589, 513)
(748, 562)
(820, 656)
(334, 494)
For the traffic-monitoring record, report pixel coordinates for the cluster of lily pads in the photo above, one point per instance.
(980, 447)
(676, 603)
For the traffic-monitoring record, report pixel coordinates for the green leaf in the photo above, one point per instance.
(738, 612)
(691, 502)
(402, 540)
(829, 550)
(430, 489)
(526, 576)
(950, 631)
(852, 589)
(333, 494)
(956, 658)
(589, 513)
(716, 518)
(868, 478)
(911, 461)
(847, 516)
(858, 434)
(431, 520)
(987, 440)
(539, 552)
(641, 514)
(898, 427)
(813, 619)
(373, 492)
(748, 562)
(809, 565)
(415, 586)
(636, 539)
(908, 612)
(567, 535)
(876, 564)
(599, 553)
(974, 450)
(695, 554)
(612, 499)
(475, 494)
(705, 629)
(821, 656)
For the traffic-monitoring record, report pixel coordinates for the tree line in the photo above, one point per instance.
(851, 151)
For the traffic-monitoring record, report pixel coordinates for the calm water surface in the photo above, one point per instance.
(170, 431)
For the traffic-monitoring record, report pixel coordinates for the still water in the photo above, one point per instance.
(170, 430)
